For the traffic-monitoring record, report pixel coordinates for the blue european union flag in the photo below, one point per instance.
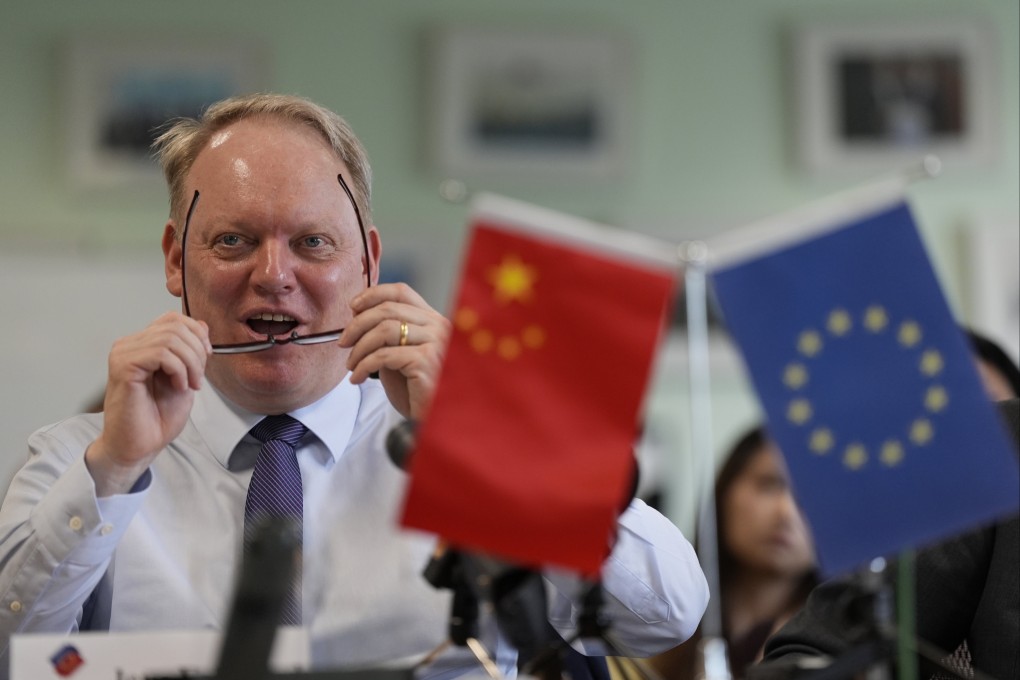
(869, 387)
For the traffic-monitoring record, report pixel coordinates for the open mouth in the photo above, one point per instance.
(272, 324)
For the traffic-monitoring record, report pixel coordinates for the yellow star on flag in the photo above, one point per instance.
(809, 343)
(799, 411)
(931, 362)
(466, 319)
(839, 323)
(921, 432)
(512, 280)
(855, 456)
(795, 376)
(892, 453)
(821, 441)
(875, 318)
(909, 334)
(936, 398)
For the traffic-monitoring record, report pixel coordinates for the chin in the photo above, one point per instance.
(265, 384)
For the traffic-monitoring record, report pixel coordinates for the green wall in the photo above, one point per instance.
(711, 133)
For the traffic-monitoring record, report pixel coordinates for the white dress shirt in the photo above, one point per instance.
(165, 555)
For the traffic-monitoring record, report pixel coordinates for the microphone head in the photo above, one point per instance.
(400, 443)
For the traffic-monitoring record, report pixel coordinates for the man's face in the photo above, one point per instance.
(273, 248)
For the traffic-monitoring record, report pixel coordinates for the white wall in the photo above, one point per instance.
(63, 312)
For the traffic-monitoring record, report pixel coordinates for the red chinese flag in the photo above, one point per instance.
(527, 449)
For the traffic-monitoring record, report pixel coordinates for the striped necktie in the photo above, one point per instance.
(276, 490)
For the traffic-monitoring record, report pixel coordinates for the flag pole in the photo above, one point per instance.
(712, 660)
(894, 620)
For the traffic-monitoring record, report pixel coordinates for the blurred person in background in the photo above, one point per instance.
(967, 598)
(999, 374)
(767, 563)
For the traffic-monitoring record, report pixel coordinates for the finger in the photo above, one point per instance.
(167, 355)
(387, 292)
(416, 364)
(391, 334)
(381, 314)
(379, 336)
(173, 367)
(198, 329)
(390, 300)
(137, 357)
(192, 352)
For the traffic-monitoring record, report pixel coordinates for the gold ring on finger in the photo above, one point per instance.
(403, 333)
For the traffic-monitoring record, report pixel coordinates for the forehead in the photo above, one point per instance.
(765, 461)
(265, 149)
(267, 165)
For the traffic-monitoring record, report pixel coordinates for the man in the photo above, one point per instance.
(134, 519)
(967, 590)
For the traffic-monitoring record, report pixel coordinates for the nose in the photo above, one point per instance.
(788, 511)
(273, 272)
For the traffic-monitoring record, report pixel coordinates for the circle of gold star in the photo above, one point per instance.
(838, 326)
(512, 281)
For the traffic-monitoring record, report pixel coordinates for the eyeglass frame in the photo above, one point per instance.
(271, 340)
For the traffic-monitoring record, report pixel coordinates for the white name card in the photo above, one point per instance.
(135, 656)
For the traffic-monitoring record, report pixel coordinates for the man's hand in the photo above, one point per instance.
(151, 387)
(408, 371)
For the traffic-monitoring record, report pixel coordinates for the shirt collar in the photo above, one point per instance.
(222, 424)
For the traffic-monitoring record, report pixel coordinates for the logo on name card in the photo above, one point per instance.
(66, 661)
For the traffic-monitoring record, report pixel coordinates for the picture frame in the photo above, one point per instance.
(992, 282)
(546, 103)
(119, 91)
(874, 97)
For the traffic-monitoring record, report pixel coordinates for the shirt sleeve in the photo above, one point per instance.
(654, 591)
(56, 537)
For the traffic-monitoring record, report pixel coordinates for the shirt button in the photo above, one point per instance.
(15, 606)
(106, 529)
(76, 524)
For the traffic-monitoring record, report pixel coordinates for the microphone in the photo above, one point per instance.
(400, 443)
(262, 586)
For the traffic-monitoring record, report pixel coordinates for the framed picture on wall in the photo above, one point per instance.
(992, 261)
(119, 92)
(548, 103)
(874, 97)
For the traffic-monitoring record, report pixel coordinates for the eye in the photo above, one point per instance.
(229, 240)
(313, 241)
(771, 484)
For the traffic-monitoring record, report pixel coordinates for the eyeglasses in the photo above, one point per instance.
(271, 340)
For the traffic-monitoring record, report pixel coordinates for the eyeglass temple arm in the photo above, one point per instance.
(361, 226)
(184, 241)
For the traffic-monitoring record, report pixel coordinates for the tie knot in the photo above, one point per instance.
(279, 428)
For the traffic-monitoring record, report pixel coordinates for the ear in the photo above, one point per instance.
(374, 252)
(172, 259)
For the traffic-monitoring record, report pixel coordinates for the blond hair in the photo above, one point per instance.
(177, 148)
